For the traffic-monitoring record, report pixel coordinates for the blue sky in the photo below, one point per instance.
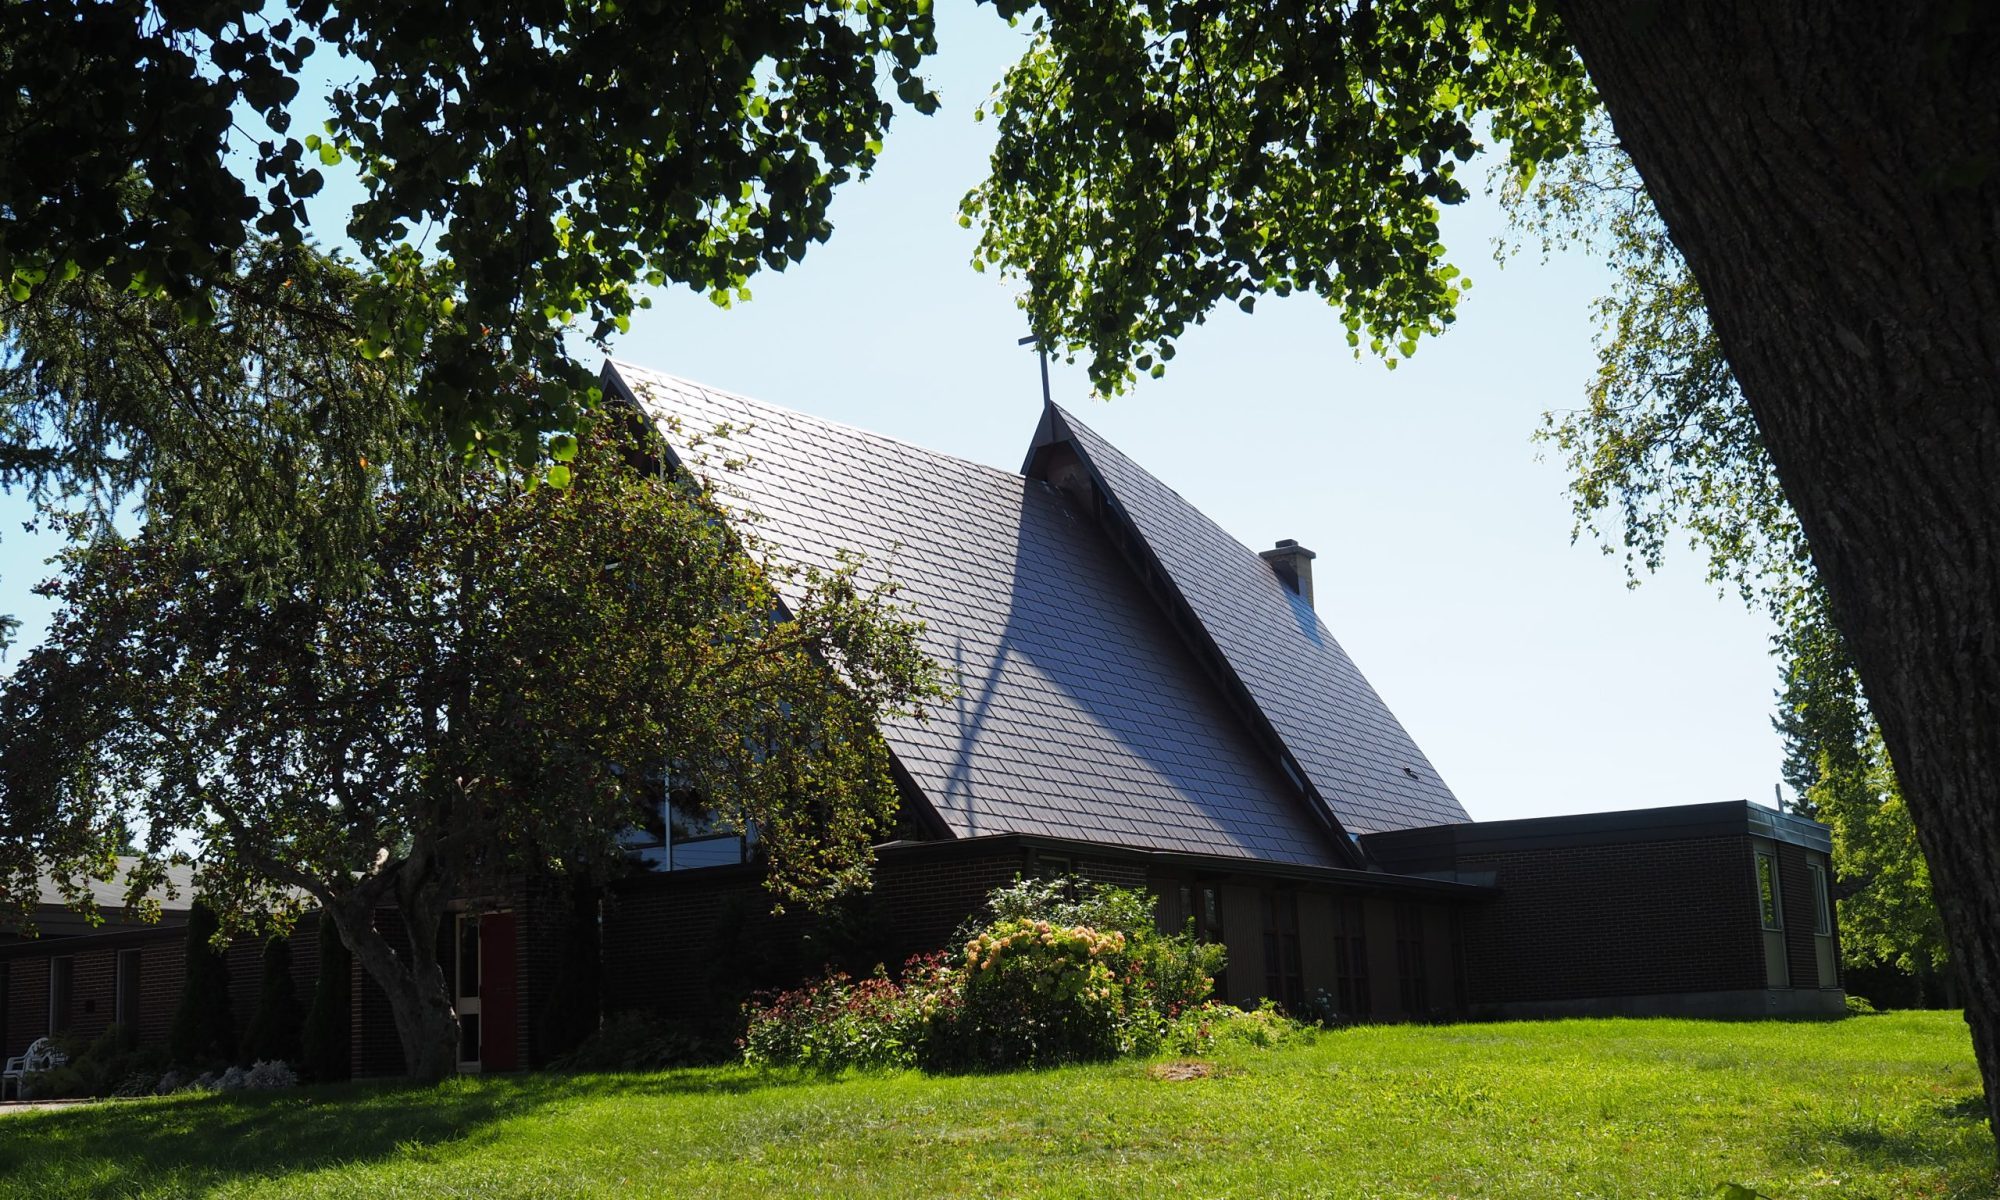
(1535, 680)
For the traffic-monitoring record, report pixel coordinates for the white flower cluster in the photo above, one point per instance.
(258, 1077)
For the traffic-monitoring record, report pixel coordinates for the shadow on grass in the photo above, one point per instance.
(1949, 1137)
(1965, 1108)
(189, 1145)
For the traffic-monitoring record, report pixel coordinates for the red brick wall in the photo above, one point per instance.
(91, 1005)
(1616, 920)
(245, 963)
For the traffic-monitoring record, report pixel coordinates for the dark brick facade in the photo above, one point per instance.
(376, 1048)
(161, 958)
(550, 935)
(1614, 920)
(691, 946)
(1644, 912)
(1795, 891)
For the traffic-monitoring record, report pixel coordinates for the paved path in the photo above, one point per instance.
(14, 1106)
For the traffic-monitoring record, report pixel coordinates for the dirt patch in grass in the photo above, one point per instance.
(1181, 1072)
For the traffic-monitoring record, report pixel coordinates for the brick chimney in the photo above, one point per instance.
(1294, 565)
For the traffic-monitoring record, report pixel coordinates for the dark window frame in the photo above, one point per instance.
(126, 983)
(1770, 894)
(1412, 973)
(1352, 991)
(1822, 900)
(1208, 927)
(62, 993)
(1284, 964)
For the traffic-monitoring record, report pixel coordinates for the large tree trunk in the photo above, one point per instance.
(1831, 170)
(414, 984)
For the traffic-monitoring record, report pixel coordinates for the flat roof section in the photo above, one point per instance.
(1440, 846)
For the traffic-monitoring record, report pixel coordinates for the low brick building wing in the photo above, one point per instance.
(1142, 700)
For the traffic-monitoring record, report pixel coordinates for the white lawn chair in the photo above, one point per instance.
(42, 1055)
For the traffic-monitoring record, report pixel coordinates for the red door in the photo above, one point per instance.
(499, 1019)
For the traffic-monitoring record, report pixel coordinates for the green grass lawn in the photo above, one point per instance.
(1869, 1107)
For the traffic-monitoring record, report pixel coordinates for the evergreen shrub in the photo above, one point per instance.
(203, 1031)
(324, 1042)
(273, 1032)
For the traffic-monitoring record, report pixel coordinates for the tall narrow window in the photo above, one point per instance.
(1413, 982)
(1768, 905)
(1826, 952)
(466, 986)
(1208, 928)
(62, 979)
(1822, 904)
(1284, 979)
(128, 990)
(1350, 957)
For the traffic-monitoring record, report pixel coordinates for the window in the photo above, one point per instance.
(1054, 866)
(1822, 902)
(465, 982)
(1413, 983)
(682, 833)
(62, 979)
(126, 1008)
(1350, 958)
(1768, 906)
(1208, 928)
(468, 954)
(1284, 981)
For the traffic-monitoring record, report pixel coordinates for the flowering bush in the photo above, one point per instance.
(1206, 1027)
(1064, 972)
(838, 1022)
(1039, 993)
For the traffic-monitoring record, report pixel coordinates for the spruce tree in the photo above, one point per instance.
(203, 1031)
(274, 1028)
(328, 1024)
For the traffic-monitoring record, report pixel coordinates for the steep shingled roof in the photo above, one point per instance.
(1083, 713)
(1359, 757)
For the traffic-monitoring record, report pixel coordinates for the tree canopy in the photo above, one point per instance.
(1157, 159)
(525, 165)
(519, 675)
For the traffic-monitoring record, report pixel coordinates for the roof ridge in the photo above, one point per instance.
(870, 434)
(1197, 509)
(1357, 780)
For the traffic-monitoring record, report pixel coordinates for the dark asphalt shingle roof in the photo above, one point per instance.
(1357, 754)
(1082, 713)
